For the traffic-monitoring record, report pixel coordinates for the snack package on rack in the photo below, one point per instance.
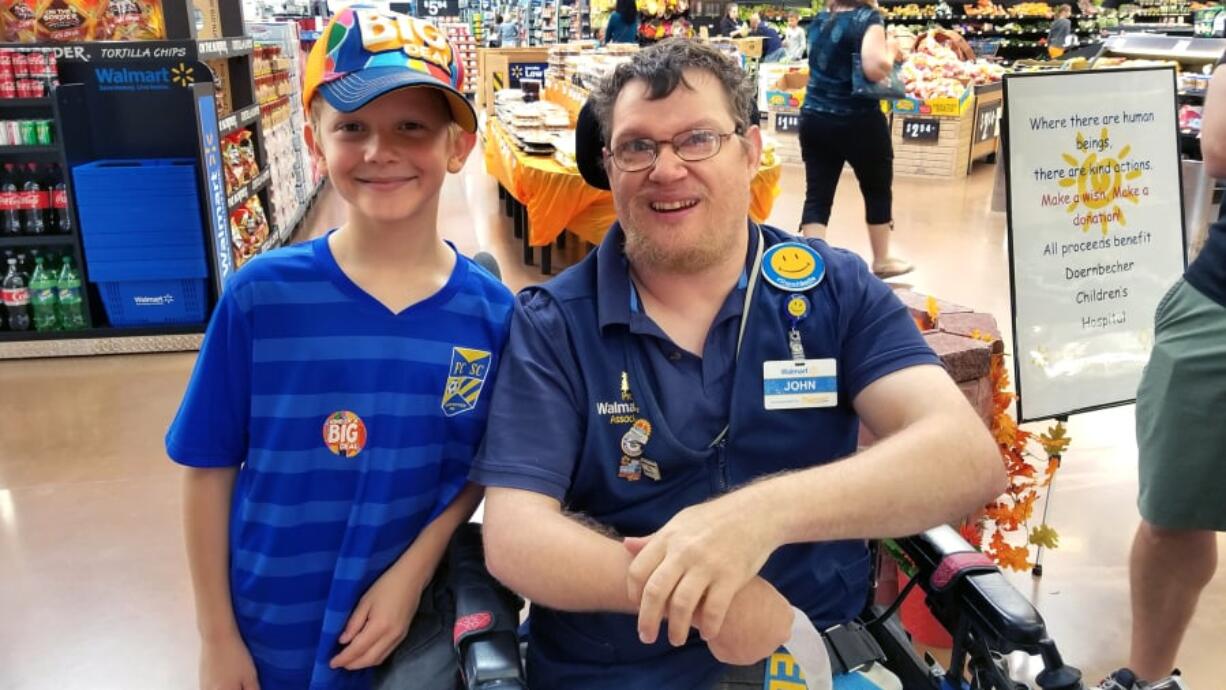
(130, 20)
(246, 153)
(17, 21)
(238, 153)
(233, 166)
(1190, 118)
(249, 230)
(64, 21)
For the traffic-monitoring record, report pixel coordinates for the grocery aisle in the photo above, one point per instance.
(93, 582)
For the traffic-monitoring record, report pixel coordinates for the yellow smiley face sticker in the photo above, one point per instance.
(792, 263)
(793, 266)
(798, 306)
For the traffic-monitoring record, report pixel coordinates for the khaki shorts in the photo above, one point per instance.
(1181, 415)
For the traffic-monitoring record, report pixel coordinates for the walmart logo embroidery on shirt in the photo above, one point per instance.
(465, 379)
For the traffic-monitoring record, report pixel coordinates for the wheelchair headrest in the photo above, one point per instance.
(589, 148)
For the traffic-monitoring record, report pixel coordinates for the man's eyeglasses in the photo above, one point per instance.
(634, 155)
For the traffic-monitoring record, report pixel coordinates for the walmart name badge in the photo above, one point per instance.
(465, 379)
(799, 385)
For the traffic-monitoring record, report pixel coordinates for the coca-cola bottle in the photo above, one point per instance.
(35, 203)
(16, 297)
(61, 220)
(10, 217)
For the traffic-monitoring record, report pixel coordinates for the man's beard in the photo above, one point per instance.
(645, 251)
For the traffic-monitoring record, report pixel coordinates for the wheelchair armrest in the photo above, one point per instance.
(997, 612)
(487, 617)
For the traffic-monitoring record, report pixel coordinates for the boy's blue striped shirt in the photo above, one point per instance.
(292, 343)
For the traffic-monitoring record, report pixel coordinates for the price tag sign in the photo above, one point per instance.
(437, 8)
(787, 122)
(921, 129)
(987, 123)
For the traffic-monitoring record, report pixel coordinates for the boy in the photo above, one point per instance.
(1060, 37)
(337, 400)
(795, 40)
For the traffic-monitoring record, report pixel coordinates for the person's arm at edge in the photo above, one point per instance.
(207, 495)
(877, 53)
(1213, 126)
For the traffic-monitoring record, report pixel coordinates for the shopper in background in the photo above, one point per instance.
(1181, 438)
(623, 24)
(630, 446)
(495, 37)
(772, 42)
(794, 39)
(1060, 37)
(508, 32)
(336, 403)
(730, 24)
(836, 126)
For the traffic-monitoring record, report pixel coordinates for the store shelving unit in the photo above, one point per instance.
(181, 120)
(1012, 36)
(1192, 54)
(294, 182)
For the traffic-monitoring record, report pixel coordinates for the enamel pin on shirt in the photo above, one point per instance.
(633, 465)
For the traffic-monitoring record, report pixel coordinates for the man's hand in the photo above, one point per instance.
(380, 620)
(705, 554)
(225, 664)
(758, 622)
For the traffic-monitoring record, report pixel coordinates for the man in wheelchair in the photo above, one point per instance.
(653, 454)
(671, 454)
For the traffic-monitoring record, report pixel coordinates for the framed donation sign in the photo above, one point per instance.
(1095, 216)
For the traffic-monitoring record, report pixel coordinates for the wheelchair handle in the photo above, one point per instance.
(973, 596)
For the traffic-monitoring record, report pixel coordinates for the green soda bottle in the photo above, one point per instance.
(72, 314)
(43, 297)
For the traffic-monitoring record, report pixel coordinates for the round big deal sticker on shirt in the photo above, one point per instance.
(344, 433)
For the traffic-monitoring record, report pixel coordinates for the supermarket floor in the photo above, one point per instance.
(93, 583)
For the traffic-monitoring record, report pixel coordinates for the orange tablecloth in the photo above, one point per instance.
(557, 198)
(567, 95)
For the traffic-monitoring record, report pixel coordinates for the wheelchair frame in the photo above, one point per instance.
(969, 596)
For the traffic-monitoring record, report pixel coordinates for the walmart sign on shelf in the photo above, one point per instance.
(526, 70)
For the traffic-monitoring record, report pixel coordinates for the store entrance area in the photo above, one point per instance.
(94, 591)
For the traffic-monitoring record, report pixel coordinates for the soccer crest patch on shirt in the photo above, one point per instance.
(465, 379)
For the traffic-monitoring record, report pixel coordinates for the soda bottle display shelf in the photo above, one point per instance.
(10, 151)
(38, 241)
(209, 97)
(16, 103)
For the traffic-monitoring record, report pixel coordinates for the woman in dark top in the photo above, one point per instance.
(623, 25)
(837, 127)
(730, 24)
